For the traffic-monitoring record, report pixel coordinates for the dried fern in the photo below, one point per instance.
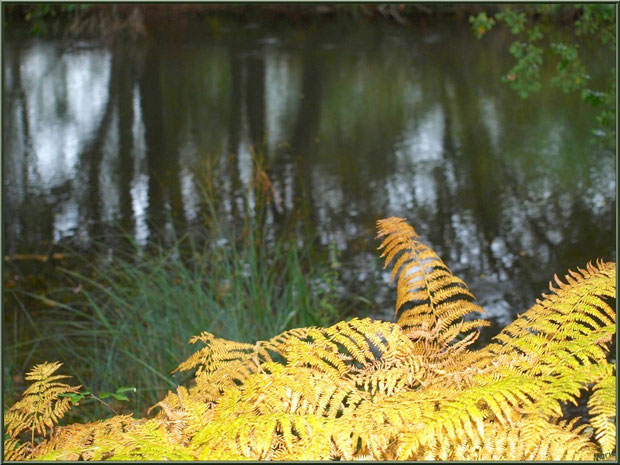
(431, 301)
(40, 408)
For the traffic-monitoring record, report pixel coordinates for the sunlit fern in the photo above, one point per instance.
(365, 389)
(40, 408)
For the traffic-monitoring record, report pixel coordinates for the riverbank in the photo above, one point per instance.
(124, 317)
(136, 20)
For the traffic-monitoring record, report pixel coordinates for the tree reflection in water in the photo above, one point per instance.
(355, 124)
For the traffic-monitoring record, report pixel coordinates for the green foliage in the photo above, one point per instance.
(594, 22)
(515, 21)
(118, 395)
(41, 407)
(481, 23)
(77, 397)
(571, 73)
(374, 390)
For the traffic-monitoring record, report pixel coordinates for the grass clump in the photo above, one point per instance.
(129, 323)
(124, 317)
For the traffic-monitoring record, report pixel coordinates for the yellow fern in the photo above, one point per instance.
(430, 300)
(602, 406)
(373, 390)
(41, 406)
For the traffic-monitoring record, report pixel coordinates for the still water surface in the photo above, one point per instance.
(356, 122)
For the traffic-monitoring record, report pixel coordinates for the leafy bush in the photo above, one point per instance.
(594, 22)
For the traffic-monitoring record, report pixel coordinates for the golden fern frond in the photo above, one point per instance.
(457, 416)
(345, 348)
(210, 386)
(566, 360)
(68, 443)
(183, 413)
(392, 376)
(555, 440)
(297, 390)
(567, 387)
(84, 441)
(570, 312)
(276, 436)
(220, 352)
(16, 421)
(541, 395)
(341, 350)
(402, 366)
(529, 439)
(246, 437)
(42, 404)
(14, 449)
(431, 301)
(550, 441)
(119, 438)
(438, 424)
(318, 353)
(602, 406)
(216, 353)
(222, 364)
(303, 391)
(147, 440)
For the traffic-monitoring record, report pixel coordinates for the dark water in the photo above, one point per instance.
(356, 122)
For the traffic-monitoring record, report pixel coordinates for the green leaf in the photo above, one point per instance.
(125, 389)
(105, 395)
(120, 397)
(75, 398)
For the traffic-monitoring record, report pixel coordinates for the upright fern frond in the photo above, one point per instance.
(431, 301)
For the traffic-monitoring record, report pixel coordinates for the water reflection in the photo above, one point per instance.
(355, 125)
